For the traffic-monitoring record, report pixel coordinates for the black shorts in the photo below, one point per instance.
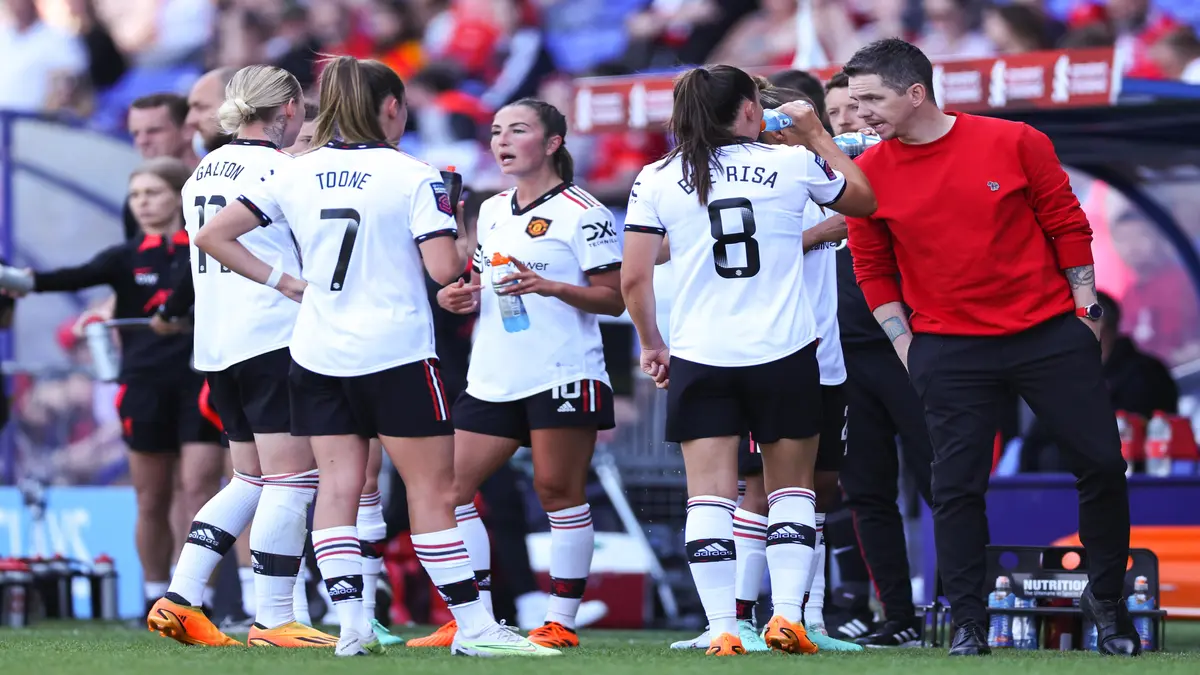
(162, 416)
(770, 401)
(586, 404)
(407, 401)
(833, 436)
(251, 397)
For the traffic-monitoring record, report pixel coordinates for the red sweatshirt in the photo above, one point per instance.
(978, 226)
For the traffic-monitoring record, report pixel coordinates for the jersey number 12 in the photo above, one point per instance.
(724, 239)
(343, 262)
(216, 202)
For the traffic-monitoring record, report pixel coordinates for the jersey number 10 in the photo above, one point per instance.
(217, 202)
(724, 239)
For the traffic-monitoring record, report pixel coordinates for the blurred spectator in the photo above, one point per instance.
(766, 37)
(948, 31)
(524, 61)
(449, 123)
(1138, 26)
(1137, 382)
(1016, 29)
(680, 31)
(294, 48)
(206, 96)
(37, 59)
(1178, 55)
(806, 83)
(160, 33)
(397, 37)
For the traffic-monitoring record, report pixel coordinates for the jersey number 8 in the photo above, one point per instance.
(343, 262)
(726, 239)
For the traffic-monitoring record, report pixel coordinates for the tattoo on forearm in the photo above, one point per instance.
(893, 327)
(1083, 276)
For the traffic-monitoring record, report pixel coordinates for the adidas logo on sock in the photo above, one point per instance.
(203, 537)
(566, 407)
(791, 533)
(342, 588)
(712, 549)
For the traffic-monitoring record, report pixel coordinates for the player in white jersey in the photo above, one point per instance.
(369, 221)
(242, 330)
(538, 378)
(743, 353)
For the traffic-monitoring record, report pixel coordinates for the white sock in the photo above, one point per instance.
(300, 597)
(712, 559)
(213, 533)
(814, 604)
(741, 493)
(155, 589)
(750, 542)
(791, 524)
(572, 541)
(246, 577)
(371, 533)
(479, 547)
(277, 544)
(340, 562)
(445, 559)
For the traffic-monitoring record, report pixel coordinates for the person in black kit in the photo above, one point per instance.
(1137, 382)
(158, 399)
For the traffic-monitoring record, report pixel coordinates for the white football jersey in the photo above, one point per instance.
(739, 258)
(235, 318)
(820, 284)
(358, 212)
(564, 236)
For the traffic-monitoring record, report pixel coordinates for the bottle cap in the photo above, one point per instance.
(450, 168)
(498, 259)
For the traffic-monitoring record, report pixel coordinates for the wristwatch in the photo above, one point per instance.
(1091, 312)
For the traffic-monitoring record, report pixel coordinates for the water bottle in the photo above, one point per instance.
(773, 120)
(1125, 429)
(512, 307)
(64, 600)
(1158, 445)
(1000, 633)
(16, 593)
(855, 143)
(106, 358)
(104, 589)
(15, 279)
(1141, 600)
(1024, 628)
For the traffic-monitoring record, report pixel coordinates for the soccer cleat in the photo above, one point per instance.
(354, 644)
(785, 636)
(825, 643)
(498, 640)
(289, 635)
(442, 637)
(701, 641)
(751, 640)
(186, 625)
(725, 644)
(892, 634)
(554, 634)
(386, 638)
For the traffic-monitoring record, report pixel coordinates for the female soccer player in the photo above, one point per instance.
(743, 336)
(366, 217)
(544, 385)
(242, 331)
(159, 397)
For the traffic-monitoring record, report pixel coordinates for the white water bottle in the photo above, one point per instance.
(512, 307)
(1158, 445)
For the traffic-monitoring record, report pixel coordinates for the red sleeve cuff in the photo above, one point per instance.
(1072, 252)
(880, 291)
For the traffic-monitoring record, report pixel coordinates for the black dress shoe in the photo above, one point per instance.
(1115, 634)
(970, 640)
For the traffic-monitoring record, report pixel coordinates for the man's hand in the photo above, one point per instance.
(528, 282)
(828, 231)
(459, 297)
(656, 362)
(161, 326)
(292, 287)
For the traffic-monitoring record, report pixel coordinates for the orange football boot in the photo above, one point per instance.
(725, 644)
(186, 625)
(294, 634)
(554, 635)
(785, 636)
(442, 637)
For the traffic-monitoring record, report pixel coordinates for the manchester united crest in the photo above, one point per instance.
(537, 227)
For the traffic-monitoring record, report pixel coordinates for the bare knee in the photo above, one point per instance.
(341, 486)
(755, 498)
(558, 492)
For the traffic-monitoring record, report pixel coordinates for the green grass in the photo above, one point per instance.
(88, 649)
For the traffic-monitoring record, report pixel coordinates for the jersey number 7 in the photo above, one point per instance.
(343, 262)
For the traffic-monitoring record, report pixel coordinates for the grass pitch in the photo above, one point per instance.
(90, 649)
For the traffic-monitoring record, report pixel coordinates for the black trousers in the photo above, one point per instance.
(881, 405)
(1055, 367)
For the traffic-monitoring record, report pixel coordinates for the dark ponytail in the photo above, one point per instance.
(554, 123)
(706, 103)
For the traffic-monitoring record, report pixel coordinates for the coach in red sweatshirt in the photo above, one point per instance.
(979, 234)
